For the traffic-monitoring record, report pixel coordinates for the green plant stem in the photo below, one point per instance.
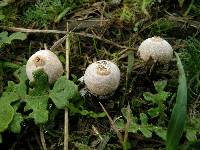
(119, 135)
(42, 139)
(127, 128)
(66, 122)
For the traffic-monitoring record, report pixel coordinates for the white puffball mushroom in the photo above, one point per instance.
(46, 60)
(156, 48)
(102, 77)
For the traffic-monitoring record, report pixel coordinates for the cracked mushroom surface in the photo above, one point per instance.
(46, 60)
(102, 78)
(156, 48)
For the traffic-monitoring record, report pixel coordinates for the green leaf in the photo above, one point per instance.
(21, 87)
(15, 125)
(134, 127)
(133, 120)
(143, 119)
(125, 114)
(149, 97)
(38, 105)
(154, 112)
(146, 132)
(3, 35)
(18, 36)
(191, 134)
(120, 123)
(160, 85)
(21, 74)
(156, 98)
(178, 116)
(63, 91)
(2, 17)
(84, 112)
(6, 116)
(9, 97)
(161, 132)
(5, 39)
(13, 93)
(40, 83)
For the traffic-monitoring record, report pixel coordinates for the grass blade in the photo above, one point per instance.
(178, 116)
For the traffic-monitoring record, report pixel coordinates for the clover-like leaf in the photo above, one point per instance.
(63, 91)
(15, 125)
(9, 97)
(13, 93)
(5, 39)
(37, 100)
(20, 88)
(17, 36)
(6, 116)
(38, 105)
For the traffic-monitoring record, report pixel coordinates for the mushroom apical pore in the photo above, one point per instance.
(46, 60)
(157, 49)
(102, 77)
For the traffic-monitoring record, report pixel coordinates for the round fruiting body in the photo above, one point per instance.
(46, 60)
(102, 77)
(157, 49)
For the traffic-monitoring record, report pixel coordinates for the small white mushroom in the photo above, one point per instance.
(47, 60)
(102, 77)
(156, 48)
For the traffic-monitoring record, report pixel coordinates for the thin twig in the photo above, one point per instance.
(66, 122)
(119, 135)
(65, 32)
(42, 139)
(57, 43)
(32, 30)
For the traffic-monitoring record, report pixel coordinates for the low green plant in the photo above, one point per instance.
(196, 8)
(192, 128)
(7, 39)
(8, 12)
(140, 124)
(158, 100)
(161, 26)
(36, 97)
(190, 56)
